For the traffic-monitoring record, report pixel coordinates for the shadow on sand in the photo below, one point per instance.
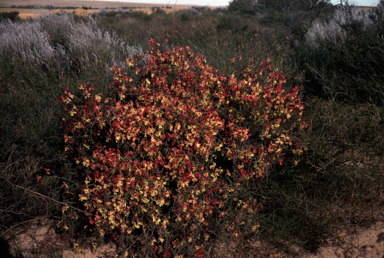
(5, 249)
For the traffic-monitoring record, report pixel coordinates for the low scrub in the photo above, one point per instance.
(175, 151)
(39, 58)
(342, 57)
(160, 159)
(62, 42)
(9, 15)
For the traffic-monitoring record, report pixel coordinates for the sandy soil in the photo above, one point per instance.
(364, 242)
(39, 238)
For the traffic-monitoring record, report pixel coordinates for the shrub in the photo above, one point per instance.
(157, 11)
(336, 29)
(243, 7)
(142, 15)
(58, 41)
(342, 57)
(106, 46)
(185, 16)
(32, 55)
(119, 12)
(87, 44)
(9, 15)
(161, 158)
(26, 42)
(231, 23)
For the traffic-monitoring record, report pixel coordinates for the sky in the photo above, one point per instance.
(226, 2)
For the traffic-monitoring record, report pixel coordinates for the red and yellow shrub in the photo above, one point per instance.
(163, 154)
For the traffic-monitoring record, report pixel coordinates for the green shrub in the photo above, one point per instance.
(157, 11)
(342, 57)
(243, 7)
(161, 158)
(34, 72)
(13, 16)
(231, 23)
(336, 184)
(185, 16)
(141, 15)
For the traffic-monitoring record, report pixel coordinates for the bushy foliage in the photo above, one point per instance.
(337, 28)
(26, 42)
(163, 155)
(243, 7)
(231, 23)
(337, 185)
(157, 11)
(106, 12)
(59, 41)
(292, 14)
(9, 15)
(342, 57)
(36, 65)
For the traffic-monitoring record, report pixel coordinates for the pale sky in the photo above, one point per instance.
(226, 2)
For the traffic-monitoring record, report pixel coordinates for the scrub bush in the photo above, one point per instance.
(26, 42)
(342, 57)
(161, 158)
(13, 16)
(59, 42)
(337, 28)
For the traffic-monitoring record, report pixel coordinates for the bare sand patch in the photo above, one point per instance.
(39, 237)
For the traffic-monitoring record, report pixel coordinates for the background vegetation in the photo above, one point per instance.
(333, 54)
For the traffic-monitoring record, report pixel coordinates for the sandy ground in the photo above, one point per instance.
(364, 242)
(38, 239)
